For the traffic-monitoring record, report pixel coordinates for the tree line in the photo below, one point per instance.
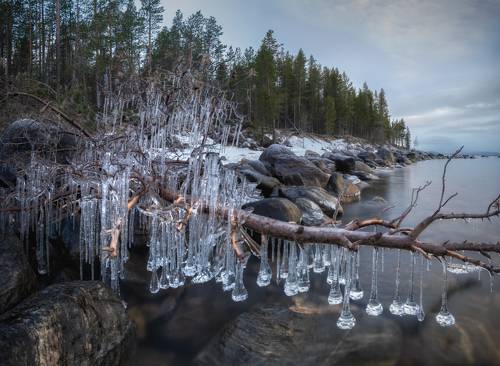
(82, 47)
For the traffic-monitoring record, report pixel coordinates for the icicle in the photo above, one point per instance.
(265, 273)
(335, 295)
(153, 285)
(303, 272)
(346, 320)
(318, 264)
(396, 307)
(356, 292)
(285, 260)
(444, 318)
(278, 263)
(239, 291)
(421, 314)
(291, 282)
(410, 307)
(374, 307)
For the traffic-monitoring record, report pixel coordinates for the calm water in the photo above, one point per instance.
(175, 326)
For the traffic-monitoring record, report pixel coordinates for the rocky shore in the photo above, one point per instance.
(56, 319)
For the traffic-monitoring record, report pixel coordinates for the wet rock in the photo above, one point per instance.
(344, 163)
(73, 323)
(22, 136)
(277, 208)
(362, 167)
(291, 169)
(312, 214)
(328, 203)
(366, 155)
(386, 156)
(256, 165)
(274, 335)
(311, 154)
(265, 183)
(18, 280)
(327, 166)
(346, 189)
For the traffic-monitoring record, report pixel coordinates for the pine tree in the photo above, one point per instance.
(152, 12)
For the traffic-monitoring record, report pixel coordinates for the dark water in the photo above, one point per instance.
(175, 326)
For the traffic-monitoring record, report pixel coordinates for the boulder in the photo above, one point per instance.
(366, 155)
(265, 183)
(18, 280)
(21, 137)
(386, 155)
(72, 323)
(273, 335)
(343, 163)
(291, 169)
(362, 167)
(346, 190)
(328, 203)
(276, 208)
(256, 165)
(327, 166)
(312, 214)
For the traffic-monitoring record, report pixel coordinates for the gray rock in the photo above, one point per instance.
(273, 335)
(21, 137)
(327, 202)
(276, 208)
(265, 183)
(312, 214)
(362, 167)
(18, 280)
(256, 165)
(367, 155)
(346, 190)
(386, 155)
(291, 169)
(343, 163)
(72, 323)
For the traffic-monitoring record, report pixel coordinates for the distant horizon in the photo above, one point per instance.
(437, 61)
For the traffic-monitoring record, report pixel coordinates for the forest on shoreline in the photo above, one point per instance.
(76, 51)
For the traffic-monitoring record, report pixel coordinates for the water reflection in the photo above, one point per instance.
(176, 326)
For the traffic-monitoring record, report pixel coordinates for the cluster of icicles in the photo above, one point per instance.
(293, 265)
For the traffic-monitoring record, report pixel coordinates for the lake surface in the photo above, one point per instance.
(174, 326)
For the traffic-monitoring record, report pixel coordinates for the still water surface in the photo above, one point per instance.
(174, 329)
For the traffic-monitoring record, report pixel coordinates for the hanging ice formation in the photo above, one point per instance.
(116, 185)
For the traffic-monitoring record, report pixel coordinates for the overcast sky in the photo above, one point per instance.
(438, 60)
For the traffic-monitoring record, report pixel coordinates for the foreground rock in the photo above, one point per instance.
(276, 208)
(328, 203)
(18, 280)
(274, 335)
(72, 323)
(291, 169)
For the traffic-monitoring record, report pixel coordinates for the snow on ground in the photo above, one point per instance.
(298, 144)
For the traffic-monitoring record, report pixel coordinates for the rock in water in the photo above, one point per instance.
(291, 169)
(276, 208)
(312, 214)
(386, 156)
(272, 335)
(343, 162)
(18, 280)
(72, 323)
(327, 202)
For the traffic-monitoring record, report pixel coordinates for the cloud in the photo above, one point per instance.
(438, 61)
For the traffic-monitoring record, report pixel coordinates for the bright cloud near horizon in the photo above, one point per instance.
(437, 60)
